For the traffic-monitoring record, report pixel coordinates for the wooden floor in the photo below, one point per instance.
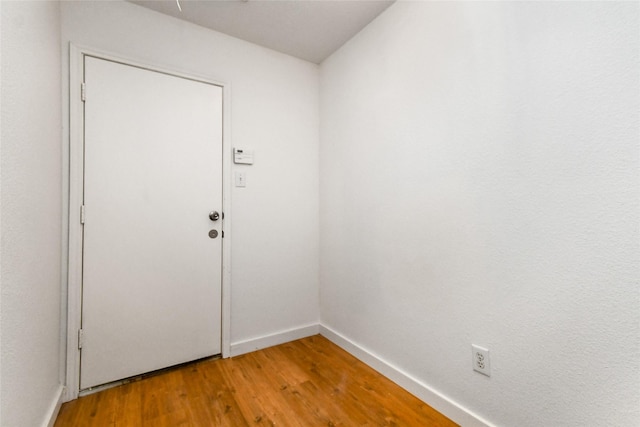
(309, 382)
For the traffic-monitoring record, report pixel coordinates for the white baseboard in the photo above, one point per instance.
(54, 408)
(433, 398)
(281, 337)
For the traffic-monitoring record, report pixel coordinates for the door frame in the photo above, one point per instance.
(76, 190)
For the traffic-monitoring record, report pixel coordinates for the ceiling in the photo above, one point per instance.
(307, 29)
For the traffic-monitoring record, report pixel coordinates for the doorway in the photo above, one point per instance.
(151, 253)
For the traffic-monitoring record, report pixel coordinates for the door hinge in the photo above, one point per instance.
(80, 338)
(83, 91)
(82, 214)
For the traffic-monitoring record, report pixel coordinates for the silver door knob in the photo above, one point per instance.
(214, 216)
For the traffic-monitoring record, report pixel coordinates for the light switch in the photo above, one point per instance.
(241, 179)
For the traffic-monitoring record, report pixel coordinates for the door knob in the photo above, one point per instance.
(214, 216)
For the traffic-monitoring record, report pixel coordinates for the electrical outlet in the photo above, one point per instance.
(480, 360)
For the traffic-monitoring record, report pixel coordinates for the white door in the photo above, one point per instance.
(151, 291)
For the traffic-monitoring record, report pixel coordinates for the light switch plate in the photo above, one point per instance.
(241, 179)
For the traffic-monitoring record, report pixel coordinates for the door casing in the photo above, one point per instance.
(76, 187)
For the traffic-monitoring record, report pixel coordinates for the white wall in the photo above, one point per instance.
(479, 184)
(274, 111)
(31, 211)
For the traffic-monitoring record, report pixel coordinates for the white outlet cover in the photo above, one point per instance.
(480, 360)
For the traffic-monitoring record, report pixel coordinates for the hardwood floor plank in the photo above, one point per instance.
(336, 379)
(330, 394)
(308, 382)
(292, 383)
(250, 394)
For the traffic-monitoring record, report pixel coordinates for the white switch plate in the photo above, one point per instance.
(241, 179)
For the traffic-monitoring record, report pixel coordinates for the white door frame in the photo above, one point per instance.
(76, 188)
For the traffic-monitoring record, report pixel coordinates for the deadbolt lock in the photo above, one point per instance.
(213, 234)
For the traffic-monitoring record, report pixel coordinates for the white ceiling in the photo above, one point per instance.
(307, 29)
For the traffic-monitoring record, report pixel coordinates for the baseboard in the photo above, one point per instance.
(433, 398)
(281, 337)
(54, 408)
